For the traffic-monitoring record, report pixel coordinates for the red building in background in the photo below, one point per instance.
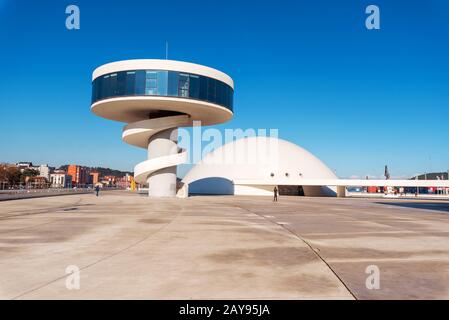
(95, 177)
(80, 175)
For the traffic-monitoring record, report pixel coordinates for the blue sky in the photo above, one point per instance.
(356, 98)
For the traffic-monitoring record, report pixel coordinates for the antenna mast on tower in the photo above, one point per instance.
(166, 50)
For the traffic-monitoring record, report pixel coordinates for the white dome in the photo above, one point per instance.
(265, 161)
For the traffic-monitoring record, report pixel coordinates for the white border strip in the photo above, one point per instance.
(166, 65)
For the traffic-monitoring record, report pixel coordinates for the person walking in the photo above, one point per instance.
(275, 193)
(97, 189)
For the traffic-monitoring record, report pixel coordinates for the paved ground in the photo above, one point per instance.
(6, 195)
(129, 246)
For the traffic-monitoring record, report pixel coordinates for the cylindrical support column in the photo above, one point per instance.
(162, 183)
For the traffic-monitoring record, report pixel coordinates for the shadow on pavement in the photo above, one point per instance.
(438, 206)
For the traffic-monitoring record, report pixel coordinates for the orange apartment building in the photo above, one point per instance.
(79, 174)
(95, 177)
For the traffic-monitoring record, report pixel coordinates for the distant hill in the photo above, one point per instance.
(432, 176)
(103, 171)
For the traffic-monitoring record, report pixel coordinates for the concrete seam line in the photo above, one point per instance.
(101, 259)
(308, 245)
(33, 226)
(40, 224)
(39, 211)
(325, 262)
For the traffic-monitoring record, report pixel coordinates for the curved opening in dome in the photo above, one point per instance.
(211, 186)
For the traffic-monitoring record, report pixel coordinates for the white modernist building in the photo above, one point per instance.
(154, 98)
(254, 165)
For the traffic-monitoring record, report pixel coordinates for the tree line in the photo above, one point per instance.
(12, 176)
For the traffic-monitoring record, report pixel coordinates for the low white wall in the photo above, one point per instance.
(256, 190)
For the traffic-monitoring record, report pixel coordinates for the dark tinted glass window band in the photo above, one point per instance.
(162, 83)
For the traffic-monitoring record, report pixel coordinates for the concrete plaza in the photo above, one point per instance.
(129, 246)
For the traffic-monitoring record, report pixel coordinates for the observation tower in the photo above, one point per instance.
(154, 98)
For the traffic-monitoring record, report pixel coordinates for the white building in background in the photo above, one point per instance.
(254, 165)
(59, 179)
(44, 171)
(24, 165)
